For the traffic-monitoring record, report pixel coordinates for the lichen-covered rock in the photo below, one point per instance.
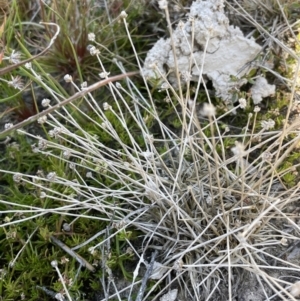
(217, 52)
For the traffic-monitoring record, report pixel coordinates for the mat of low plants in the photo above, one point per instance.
(149, 150)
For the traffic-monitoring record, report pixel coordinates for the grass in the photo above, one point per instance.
(125, 178)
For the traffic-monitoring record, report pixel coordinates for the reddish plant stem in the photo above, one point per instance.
(82, 93)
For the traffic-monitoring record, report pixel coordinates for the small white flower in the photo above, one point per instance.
(147, 154)
(54, 263)
(68, 78)
(209, 200)
(92, 250)
(17, 177)
(67, 154)
(268, 124)
(42, 144)
(266, 156)
(83, 85)
(55, 132)
(94, 51)
(91, 37)
(178, 265)
(104, 74)
(51, 176)
(106, 106)
(164, 86)
(239, 150)
(16, 82)
(243, 103)
(256, 109)
(72, 166)
(34, 148)
(11, 264)
(42, 119)
(15, 57)
(28, 66)
(191, 104)
(163, 4)
(186, 76)
(123, 15)
(66, 227)
(208, 110)
(89, 174)
(8, 126)
(284, 241)
(45, 102)
(43, 194)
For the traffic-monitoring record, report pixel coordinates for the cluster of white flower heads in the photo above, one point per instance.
(268, 124)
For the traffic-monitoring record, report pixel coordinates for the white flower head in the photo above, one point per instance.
(163, 4)
(51, 176)
(42, 144)
(94, 51)
(106, 106)
(256, 109)
(43, 195)
(42, 119)
(68, 78)
(123, 14)
(89, 174)
(147, 154)
(45, 102)
(28, 66)
(239, 150)
(268, 124)
(17, 177)
(8, 126)
(54, 263)
(208, 110)
(67, 227)
(15, 57)
(266, 156)
(186, 76)
(55, 132)
(104, 74)
(67, 154)
(243, 103)
(209, 199)
(164, 86)
(91, 37)
(16, 82)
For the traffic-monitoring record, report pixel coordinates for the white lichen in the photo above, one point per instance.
(218, 52)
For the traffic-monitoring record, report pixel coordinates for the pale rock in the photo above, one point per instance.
(219, 50)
